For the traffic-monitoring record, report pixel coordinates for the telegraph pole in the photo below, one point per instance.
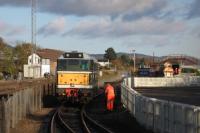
(134, 60)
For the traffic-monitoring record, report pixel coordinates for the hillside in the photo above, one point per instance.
(138, 55)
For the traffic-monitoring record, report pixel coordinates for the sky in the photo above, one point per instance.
(162, 27)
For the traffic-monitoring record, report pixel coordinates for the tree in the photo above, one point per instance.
(2, 44)
(8, 64)
(7, 58)
(22, 51)
(110, 54)
(125, 59)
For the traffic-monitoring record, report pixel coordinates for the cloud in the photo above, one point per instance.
(152, 10)
(195, 31)
(22, 3)
(11, 30)
(93, 7)
(194, 9)
(105, 27)
(52, 28)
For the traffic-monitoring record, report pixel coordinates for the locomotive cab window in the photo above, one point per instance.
(73, 65)
(84, 65)
(61, 66)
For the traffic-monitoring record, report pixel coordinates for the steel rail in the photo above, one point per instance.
(52, 125)
(58, 119)
(93, 122)
(84, 119)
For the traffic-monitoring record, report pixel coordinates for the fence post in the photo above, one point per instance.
(40, 97)
(5, 117)
(48, 89)
(1, 115)
(55, 88)
(20, 105)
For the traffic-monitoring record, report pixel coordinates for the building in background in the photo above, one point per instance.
(168, 70)
(33, 68)
(104, 63)
(52, 55)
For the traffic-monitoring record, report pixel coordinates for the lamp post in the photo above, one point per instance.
(134, 60)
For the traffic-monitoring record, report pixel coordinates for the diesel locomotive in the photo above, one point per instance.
(77, 76)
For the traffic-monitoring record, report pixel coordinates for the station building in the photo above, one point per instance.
(42, 62)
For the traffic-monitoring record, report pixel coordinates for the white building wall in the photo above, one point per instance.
(45, 61)
(36, 67)
(34, 59)
(103, 64)
(32, 71)
(45, 69)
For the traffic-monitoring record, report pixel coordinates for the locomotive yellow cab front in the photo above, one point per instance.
(76, 75)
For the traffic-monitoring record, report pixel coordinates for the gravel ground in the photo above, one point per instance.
(36, 123)
(119, 120)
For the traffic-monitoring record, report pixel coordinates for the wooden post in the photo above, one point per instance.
(13, 112)
(48, 89)
(6, 128)
(1, 115)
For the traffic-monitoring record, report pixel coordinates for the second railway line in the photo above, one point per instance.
(74, 119)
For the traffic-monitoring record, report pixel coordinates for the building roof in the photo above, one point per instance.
(51, 54)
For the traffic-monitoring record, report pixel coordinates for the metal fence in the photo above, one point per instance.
(16, 106)
(159, 115)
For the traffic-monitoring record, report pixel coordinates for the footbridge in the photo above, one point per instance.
(181, 59)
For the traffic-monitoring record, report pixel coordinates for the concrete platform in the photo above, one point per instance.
(186, 95)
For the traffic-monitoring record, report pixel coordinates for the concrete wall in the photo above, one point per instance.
(159, 115)
(166, 82)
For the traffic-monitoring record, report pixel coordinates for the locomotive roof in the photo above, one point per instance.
(85, 56)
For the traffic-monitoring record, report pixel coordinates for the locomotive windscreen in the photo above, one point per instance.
(74, 65)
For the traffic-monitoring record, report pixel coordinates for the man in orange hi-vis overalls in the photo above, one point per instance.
(110, 94)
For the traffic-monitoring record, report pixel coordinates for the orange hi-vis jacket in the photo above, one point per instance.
(110, 92)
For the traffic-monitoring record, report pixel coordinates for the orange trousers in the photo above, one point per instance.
(110, 103)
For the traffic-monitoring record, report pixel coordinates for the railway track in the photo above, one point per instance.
(74, 120)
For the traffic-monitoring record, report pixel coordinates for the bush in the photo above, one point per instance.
(1, 77)
(197, 73)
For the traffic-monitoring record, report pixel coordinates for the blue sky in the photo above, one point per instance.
(160, 26)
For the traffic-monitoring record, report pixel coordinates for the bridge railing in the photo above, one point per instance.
(160, 115)
(23, 101)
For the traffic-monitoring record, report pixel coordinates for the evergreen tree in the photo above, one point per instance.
(110, 54)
